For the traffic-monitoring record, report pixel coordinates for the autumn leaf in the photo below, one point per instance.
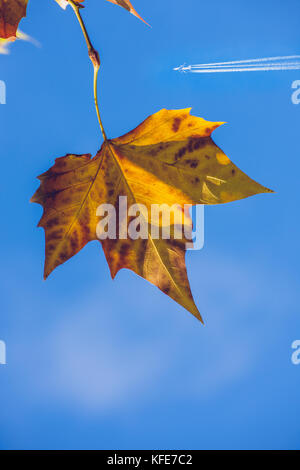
(168, 159)
(128, 6)
(11, 13)
(122, 3)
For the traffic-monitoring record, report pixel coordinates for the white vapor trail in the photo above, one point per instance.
(253, 65)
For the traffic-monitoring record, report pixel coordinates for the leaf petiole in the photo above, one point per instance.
(94, 56)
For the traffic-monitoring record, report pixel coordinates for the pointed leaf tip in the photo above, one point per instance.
(128, 6)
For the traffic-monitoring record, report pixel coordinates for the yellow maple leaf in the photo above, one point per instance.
(168, 159)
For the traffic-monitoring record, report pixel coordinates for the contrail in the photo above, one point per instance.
(291, 62)
(250, 61)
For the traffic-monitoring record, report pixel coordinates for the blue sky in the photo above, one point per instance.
(99, 364)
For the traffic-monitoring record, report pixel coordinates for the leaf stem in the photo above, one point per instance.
(95, 59)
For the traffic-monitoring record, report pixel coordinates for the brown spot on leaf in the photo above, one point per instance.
(180, 153)
(85, 233)
(166, 288)
(191, 146)
(124, 249)
(52, 222)
(176, 124)
(63, 256)
(199, 144)
(192, 163)
(55, 235)
(141, 252)
(74, 241)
